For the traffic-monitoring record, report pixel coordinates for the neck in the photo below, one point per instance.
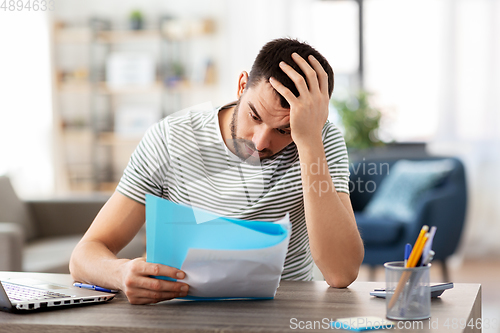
(225, 116)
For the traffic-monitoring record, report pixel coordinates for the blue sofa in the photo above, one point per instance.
(442, 205)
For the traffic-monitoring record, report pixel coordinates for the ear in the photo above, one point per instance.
(242, 83)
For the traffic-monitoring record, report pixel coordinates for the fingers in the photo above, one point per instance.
(283, 91)
(317, 78)
(321, 75)
(154, 290)
(310, 73)
(140, 288)
(141, 267)
(298, 79)
(154, 284)
(148, 297)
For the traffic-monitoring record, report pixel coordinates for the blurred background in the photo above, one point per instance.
(81, 81)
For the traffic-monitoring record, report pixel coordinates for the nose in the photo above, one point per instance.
(261, 138)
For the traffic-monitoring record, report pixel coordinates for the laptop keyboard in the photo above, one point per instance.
(24, 293)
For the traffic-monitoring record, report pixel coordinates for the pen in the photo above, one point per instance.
(407, 253)
(93, 287)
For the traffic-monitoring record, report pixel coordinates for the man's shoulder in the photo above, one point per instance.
(196, 116)
(330, 131)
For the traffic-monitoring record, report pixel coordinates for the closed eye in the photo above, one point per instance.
(283, 132)
(254, 117)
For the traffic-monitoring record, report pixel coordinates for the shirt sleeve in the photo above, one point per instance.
(147, 168)
(336, 155)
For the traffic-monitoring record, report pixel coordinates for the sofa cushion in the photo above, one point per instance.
(12, 209)
(49, 255)
(52, 254)
(378, 231)
(399, 192)
(11, 246)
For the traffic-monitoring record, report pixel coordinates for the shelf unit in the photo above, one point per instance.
(92, 143)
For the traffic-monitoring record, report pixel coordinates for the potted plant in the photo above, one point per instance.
(360, 121)
(136, 20)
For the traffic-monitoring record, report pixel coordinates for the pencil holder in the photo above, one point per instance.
(408, 293)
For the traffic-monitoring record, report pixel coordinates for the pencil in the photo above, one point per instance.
(419, 240)
(419, 251)
(412, 261)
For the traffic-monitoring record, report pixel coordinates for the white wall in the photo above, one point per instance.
(25, 101)
(469, 117)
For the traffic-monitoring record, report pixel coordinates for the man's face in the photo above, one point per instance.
(260, 127)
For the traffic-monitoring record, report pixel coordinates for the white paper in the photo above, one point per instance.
(236, 273)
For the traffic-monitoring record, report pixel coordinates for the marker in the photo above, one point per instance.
(429, 258)
(407, 253)
(428, 244)
(93, 287)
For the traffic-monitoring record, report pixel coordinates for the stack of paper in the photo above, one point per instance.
(222, 257)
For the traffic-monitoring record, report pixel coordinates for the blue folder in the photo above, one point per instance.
(172, 229)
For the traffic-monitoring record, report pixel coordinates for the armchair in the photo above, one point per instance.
(442, 204)
(40, 235)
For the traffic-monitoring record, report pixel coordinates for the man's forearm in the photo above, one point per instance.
(94, 259)
(335, 243)
(92, 262)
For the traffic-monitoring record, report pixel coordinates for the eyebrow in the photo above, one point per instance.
(254, 110)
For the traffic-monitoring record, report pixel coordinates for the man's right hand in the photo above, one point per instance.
(94, 259)
(141, 288)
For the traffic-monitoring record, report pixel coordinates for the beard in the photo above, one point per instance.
(245, 149)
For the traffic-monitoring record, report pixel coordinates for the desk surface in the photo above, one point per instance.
(305, 301)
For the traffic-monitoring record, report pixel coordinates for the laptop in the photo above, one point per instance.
(19, 295)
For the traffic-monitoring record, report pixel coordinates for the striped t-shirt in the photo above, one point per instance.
(183, 158)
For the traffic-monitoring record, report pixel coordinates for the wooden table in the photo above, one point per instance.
(297, 305)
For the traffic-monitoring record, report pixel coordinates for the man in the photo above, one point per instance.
(270, 153)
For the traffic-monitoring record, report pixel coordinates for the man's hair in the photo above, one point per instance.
(266, 64)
